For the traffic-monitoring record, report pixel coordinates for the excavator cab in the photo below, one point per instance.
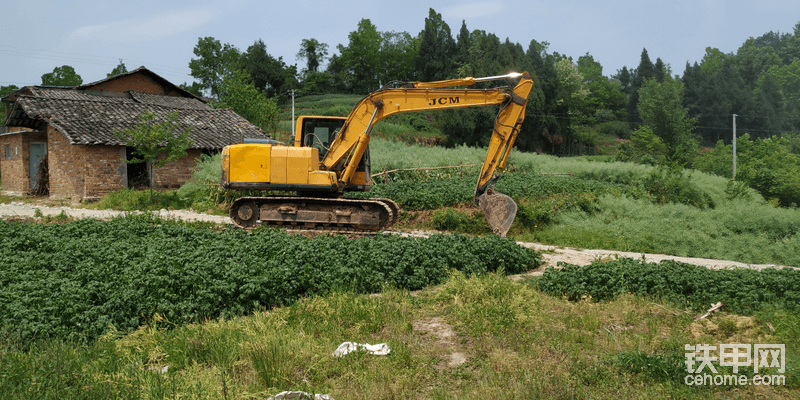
(319, 132)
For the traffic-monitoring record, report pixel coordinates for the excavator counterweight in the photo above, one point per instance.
(330, 156)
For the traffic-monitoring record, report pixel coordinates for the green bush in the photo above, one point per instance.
(670, 185)
(133, 200)
(620, 129)
(766, 165)
(72, 281)
(743, 291)
(337, 111)
(448, 219)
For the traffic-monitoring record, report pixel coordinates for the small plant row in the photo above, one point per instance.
(447, 191)
(72, 281)
(743, 291)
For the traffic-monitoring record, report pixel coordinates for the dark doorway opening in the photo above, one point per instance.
(137, 173)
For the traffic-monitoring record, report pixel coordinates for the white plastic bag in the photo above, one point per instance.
(380, 349)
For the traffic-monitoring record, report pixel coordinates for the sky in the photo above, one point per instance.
(93, 36)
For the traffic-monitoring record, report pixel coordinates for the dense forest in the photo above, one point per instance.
(760, 83)
(647, 114)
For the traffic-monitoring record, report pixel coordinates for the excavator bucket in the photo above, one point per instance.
(499, 210)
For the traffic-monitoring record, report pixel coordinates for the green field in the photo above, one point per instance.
(137, 307)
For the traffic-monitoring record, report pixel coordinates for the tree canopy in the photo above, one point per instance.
(119, 69)
(760, 82)
(156, 143)
(62, 76)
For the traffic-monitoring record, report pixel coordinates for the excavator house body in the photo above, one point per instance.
(274, 167)
(253, 166)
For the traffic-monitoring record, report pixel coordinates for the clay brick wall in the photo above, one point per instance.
(12, 171)
(138, 82)
(105, 170)
(79, 172)
(15, 171)
(177, 173)
(65, 167)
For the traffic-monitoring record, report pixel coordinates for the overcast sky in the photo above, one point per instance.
(92, 36)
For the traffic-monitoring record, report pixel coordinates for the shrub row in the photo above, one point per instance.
(73, 281)
(447, 191)
(742, 290)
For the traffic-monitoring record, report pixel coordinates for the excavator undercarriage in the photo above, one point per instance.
(315, 213)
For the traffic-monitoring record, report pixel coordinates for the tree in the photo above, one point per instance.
(156, 143)
(313, 52)
(437, 49)
(195, 88)
(238, 94)
(605, 100)
(462, 44)
(766, 165)
(624, 78)
(267, 73)
(572, 86)
(546, 123)
(359, 63)
(397, 56)
(5, 91)
(62, 76)
(214, 62)
(645, 70)
(661, 70)
(119, 69)
(787, 78)
(661, 108)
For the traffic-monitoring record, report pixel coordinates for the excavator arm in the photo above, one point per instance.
(348, 148)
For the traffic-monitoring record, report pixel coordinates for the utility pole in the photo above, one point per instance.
(734, 146)
(292, 92)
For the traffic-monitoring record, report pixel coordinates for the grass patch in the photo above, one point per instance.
(509, 337)
(140, 200)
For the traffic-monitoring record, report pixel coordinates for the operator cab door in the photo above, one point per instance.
(320, 132)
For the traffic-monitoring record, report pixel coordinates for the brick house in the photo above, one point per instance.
(72, 128)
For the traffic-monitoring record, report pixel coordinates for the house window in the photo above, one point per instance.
(8, 151)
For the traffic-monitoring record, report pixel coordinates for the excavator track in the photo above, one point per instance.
(335, 215)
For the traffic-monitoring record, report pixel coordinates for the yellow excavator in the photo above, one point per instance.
(330, 156)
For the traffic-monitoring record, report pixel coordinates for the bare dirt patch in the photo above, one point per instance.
(443, 332)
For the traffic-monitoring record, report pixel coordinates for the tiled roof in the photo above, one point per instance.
(71, 94)
(93, 120)
(169, 101)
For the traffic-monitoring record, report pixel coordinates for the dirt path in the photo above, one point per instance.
(15, 209)
(552, 255)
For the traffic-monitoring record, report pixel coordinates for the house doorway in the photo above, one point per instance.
(38, 152)
(137, 173)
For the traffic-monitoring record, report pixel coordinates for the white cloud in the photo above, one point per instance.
(155, 27)
(473, 10)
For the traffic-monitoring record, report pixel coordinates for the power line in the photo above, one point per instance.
(71, 55)
(62, 57)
